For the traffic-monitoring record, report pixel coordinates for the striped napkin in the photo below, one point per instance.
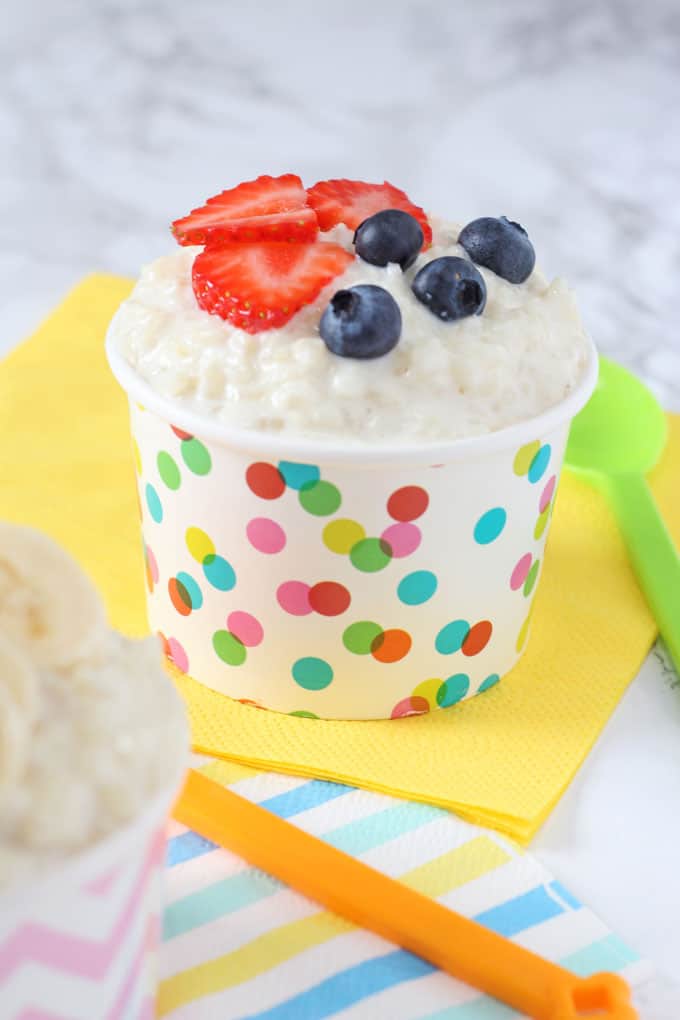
(239, 944)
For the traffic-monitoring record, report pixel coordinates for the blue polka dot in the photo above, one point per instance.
(297, 475)
(153, 501)
(192, 588)
(490, 681)
(490, 525)
(539, 464)
(219, 573)
(450, 638)
(452, 690)
(418, 587)
(311, 673)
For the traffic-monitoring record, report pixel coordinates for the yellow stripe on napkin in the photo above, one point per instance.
(434, 878)
(502, 759)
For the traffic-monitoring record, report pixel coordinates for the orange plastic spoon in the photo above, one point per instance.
(371, 900)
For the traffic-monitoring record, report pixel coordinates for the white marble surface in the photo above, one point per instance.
(118, 115)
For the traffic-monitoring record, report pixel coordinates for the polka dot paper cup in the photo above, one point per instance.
(343, 582)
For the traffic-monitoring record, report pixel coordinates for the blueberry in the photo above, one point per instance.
(451, 288)
(500, 245)
(361, 322)
(389, 236)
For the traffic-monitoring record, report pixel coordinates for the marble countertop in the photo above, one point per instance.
(118, 115)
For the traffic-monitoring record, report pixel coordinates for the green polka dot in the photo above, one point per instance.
(451, 637)
(416, 588)
(370, 555)
(196, 456)
(531, 578)
(452, 690)
(320, 498)
(311, 673)
(229, 648)
(359, 637)
(304, 715)
(542, 522)
(168, 470)
(490, 681)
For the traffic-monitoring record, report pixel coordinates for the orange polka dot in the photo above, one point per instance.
(179, 597)
(391, 645)
(478, 638)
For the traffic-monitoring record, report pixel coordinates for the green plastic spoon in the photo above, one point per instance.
(615, 440)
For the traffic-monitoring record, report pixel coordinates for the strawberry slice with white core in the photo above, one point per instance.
(352, 202)
(262, 285)
(266, 209)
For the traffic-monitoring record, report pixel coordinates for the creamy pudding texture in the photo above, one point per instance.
(443, 380)
(91, 728)
(105, 737)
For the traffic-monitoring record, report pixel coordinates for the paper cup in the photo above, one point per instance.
(81, 941)
(343, 582)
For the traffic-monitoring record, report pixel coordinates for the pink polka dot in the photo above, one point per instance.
(265, 535)
(547, 493)
(519, 574)
(153, 565)
(246, 628)
(178, 655)
(411, 706)
(293, 597)
(403, 539)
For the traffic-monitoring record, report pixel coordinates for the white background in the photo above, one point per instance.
(116, 117)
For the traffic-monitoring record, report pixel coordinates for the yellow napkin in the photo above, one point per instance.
(502, 759)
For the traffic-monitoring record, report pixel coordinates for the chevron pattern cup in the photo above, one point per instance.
(82, 944)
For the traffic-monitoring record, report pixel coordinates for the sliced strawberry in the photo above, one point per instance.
(262, 286)
(352, 202)
(267, 209)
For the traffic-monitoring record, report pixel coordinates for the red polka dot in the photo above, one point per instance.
(478, 638)
(329, 598)
(180, 433)
(265, 480)
(408, 503)
(179, 597)
(391, 645)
